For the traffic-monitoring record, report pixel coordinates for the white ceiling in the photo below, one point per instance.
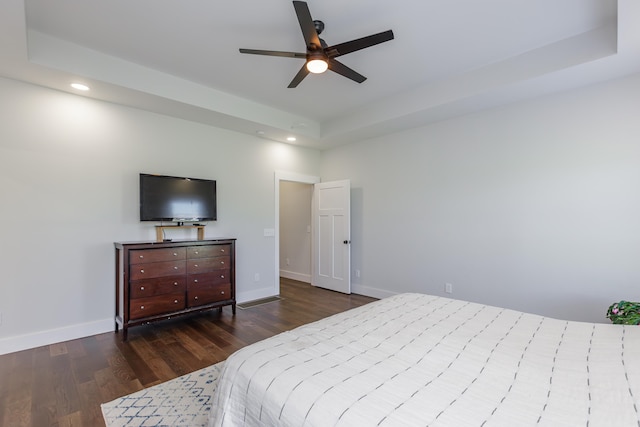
(448, 58)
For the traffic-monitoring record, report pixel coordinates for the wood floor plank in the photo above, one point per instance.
(196, 344)
(17, 413)
(58, 349)
(17, 378)
(91, 414)
(64, 384)
(65, 387)
(121, 368)
(148, 354)
(71, 420)
(138, 365)
(111, 387)
(75, 348)
(43, 397)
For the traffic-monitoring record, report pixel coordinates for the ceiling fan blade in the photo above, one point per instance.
(274, 53)
(358, 44)
(340, 68)
(298, 78)
(306, 24)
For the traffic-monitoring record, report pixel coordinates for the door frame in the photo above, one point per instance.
(293, 177)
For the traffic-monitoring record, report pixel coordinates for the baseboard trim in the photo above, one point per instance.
(371, 292)
(52, 336)
(263, 293)
(300, 277)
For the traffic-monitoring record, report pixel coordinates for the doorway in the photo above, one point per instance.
(295, 230)
(300, 182)
(323, 230)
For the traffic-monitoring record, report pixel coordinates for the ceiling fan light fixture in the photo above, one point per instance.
(317, 66)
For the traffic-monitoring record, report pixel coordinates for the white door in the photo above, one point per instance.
(332, 236)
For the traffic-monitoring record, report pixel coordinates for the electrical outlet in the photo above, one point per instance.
(448, 288)
(256, 277)
(288, 261)
(357, 273)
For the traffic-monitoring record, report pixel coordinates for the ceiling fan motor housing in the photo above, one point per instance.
(319, 26)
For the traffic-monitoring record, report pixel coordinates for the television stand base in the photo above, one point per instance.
(160, 230)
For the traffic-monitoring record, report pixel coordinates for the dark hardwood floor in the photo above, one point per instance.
(64, 384)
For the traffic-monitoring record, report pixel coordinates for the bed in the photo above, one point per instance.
(421, 360)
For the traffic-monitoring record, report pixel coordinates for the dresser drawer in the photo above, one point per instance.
(207, 265)
(207, 294)
(156, 255)
(217, 278)
(158, 269)
(158, 286)
(208, 251)
(152, 306)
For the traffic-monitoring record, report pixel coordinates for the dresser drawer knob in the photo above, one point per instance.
(222, 262)
(175, 283)
(195, 280)
(175, 254)
(142, 307)
(195, 298)
(141, 271)
(222, 276)
(142, 288)
(195, 252)
(195, 265)
(141, 256)
(175, 301)
(175, 268)
(222, 250)
(222, 293)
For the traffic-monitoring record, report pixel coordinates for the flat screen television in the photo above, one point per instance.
(177, 199)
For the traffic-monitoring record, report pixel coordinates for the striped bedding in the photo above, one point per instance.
(421, 360)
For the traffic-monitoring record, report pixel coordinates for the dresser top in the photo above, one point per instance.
(172, 243)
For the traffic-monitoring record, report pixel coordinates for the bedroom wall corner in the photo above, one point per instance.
(533, 206)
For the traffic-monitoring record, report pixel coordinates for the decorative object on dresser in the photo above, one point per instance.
(160, 280)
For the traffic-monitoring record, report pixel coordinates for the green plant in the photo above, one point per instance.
(624, 313)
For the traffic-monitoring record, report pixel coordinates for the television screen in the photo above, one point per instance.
(171, 198)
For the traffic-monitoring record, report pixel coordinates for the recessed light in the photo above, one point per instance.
(79, 86)
(291, 138)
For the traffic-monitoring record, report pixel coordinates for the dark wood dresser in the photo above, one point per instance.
(160, 280)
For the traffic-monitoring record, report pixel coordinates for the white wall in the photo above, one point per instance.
(295, 230)
(69, 170)
(534, 206)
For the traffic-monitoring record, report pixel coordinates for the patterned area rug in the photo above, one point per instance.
(184, 401)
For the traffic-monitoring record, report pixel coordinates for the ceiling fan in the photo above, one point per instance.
(320, 57)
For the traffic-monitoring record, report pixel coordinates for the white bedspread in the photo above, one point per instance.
(420, 360)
